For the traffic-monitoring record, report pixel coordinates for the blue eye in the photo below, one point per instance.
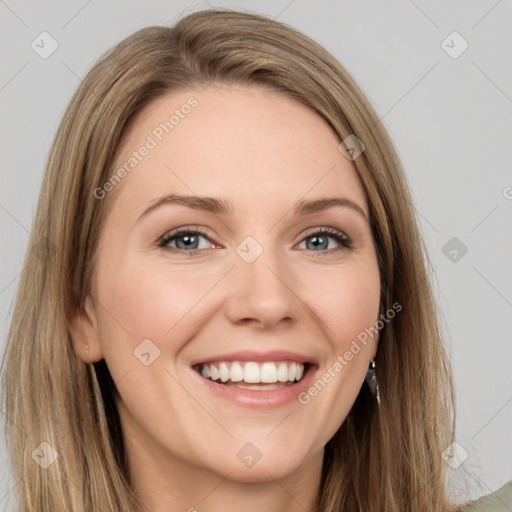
(187, 240)
(320, 240)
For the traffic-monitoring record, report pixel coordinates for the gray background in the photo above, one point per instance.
(450, 121)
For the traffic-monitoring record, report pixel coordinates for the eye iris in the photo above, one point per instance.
(322, 245)
(189, 240)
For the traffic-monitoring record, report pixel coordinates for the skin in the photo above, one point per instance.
(261, 152)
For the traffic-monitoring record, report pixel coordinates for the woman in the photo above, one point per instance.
(224, 304)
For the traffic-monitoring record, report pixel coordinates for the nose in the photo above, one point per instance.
(262, 292)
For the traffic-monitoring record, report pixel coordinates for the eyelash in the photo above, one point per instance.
(340, 237)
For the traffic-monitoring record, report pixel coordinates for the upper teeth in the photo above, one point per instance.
(252, 372)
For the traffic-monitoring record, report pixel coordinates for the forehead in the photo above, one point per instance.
(243, 141)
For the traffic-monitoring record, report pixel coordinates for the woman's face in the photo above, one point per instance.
(251, 290)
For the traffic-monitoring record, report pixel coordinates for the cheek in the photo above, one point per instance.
(153, 302)
(346, 300)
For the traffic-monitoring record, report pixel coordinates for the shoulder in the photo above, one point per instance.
(499, 501)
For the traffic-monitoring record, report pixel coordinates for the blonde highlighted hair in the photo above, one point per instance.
(383, 458)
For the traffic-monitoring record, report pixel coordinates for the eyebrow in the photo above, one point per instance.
(220, 207)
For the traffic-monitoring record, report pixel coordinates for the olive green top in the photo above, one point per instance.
(499, 501)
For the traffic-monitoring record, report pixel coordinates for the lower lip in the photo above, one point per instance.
(259, 399)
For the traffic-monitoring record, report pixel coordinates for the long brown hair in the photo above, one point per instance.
(384, 457)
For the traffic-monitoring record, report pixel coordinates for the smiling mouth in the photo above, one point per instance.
(254, 375)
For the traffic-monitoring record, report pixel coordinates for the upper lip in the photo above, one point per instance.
(251, 355)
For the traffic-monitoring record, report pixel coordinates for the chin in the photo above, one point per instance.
(262, 472)
(250, 465)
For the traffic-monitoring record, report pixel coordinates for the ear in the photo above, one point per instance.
(85, 335)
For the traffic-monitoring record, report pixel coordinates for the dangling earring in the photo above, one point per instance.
(371, 380)
(87, 349)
